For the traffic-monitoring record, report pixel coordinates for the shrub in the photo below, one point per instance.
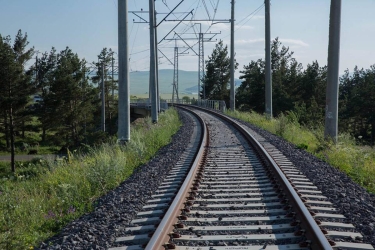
(33, 209)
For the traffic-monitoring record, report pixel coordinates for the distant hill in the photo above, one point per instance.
(194, 89)
(187, 82)
(139, 81)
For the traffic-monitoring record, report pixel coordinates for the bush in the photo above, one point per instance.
(34, 209)
(358, 162)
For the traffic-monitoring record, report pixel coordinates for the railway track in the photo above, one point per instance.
(233, 190)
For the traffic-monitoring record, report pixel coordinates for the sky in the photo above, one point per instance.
(88, 26)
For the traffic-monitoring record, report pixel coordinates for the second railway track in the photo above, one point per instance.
(240, 194)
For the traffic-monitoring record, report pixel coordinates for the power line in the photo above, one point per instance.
(205, 6)
(252, 14)
(136, 33)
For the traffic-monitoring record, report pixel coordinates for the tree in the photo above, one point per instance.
(250, 95)
(310, 95)
(105, 60)
(44, 69)
(286, 72)
(71, 100)
(357, 103)
(15, 85)
(216, 79)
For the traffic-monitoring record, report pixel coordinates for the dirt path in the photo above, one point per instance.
(27, 157)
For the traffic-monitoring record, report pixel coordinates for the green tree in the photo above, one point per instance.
(15, 85)
(286, 73)
(217, 75)
(310, 95)
(357, 103)
(105, 60)
(71, 100)
(250, 95)
(44, 77)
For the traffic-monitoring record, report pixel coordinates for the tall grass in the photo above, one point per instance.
(37, 203)
(357, 161)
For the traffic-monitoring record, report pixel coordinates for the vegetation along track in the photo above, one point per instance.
(239, 193)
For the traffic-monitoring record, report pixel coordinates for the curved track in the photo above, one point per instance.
(233, 190)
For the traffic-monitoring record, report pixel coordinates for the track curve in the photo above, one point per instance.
(239, 196)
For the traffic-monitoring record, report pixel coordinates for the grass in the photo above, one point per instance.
(357, 161)
(43, 195)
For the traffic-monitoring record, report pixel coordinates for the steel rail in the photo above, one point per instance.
(161, 235)
(312, 230)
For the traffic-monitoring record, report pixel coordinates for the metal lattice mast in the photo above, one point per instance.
(175, 75)
(201, 66)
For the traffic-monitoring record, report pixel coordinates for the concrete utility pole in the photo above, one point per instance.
(123, 74)
(113, 87)
(232, 90)
(268, 61)
(332, 93)
(103, 98)
(157, 64)
(153, 87)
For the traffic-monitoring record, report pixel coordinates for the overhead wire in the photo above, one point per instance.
(252, 13)
(136, 33)
(247, 19)
(205, 6)
(215, 11)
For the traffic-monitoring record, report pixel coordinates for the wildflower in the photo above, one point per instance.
(50, 215)
(71, 210)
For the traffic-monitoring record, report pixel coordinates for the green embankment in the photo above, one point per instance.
(356, 161)
(44, 195)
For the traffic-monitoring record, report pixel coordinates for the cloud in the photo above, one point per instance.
(294, 42)
(256, 17)
(220, 27)
(249, 41)
(244, 27)
(285, 41)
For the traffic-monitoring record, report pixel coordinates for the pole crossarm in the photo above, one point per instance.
(180, 21)
(186, 43)
(200, 20)
(192, 38)
(169, 13)
(135, 13)
(165, 57)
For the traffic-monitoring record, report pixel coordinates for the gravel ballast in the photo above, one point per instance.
(115, 210)
(98, 230)
(352, 200)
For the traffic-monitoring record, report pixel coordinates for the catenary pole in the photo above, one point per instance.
(199, 61)
(332, 92)
(153, 87)
(103, 97)
(268, 61)
(123, 73)
(157, 64)
(113, 87)
(232, 90)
